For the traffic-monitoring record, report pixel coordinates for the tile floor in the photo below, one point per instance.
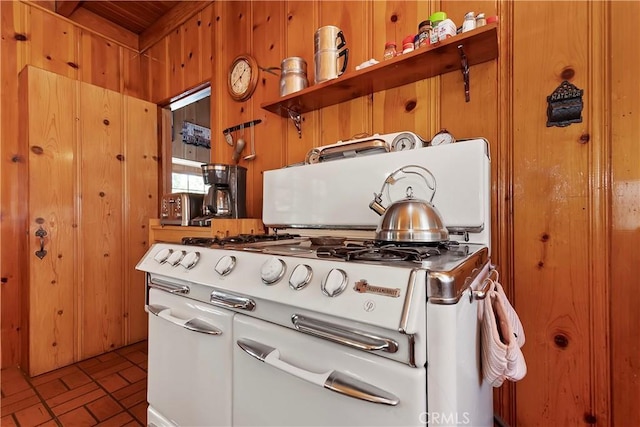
(106, 390)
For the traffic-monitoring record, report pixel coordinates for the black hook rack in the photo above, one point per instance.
(241, 126)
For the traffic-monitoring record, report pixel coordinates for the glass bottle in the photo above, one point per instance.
(424, 33)
(389, 50)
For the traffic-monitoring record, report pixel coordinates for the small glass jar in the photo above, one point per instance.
(389, 50)
(480, 20)
(469, 22)
(407, 44)
(424, 33)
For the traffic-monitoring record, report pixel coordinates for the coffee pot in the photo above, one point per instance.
(226, 196)
(329, 45)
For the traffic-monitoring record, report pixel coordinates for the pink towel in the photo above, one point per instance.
(501, 355)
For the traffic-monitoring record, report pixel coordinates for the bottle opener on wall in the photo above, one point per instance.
(564, 105)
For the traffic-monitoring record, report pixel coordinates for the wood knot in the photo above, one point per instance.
(54, 344)
(59, 256)
(190, 55)
(16, 158)
(146, 110)
(199, 23)
(217, 18)
(20, 37)
(410, 105)
(101, 194)
(120, 157)
(568, 73)
(268, 18)
(106, 122)
(544, 237)
(394, 18)
(53, 282)
(105, 255)
(540, 264)
(36, 149)
(584, 138)
(60, 312)
(48, 57)
(3, 280)
(39, 220)
(590, 418)
(561, 341)
(289, 18)
(73, 65)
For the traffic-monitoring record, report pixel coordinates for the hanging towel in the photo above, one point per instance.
(501, 355)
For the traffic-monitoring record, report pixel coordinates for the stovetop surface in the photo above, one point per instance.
(436, 257)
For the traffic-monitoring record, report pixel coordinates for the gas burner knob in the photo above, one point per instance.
(190, 260)
(335, 283)
(272, 270)
(225, 265)
(176, 257)
(300, 277)
(162, 255)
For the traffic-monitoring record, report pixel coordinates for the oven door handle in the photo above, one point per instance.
(348, 337)
(172, 288)
(228, 300)
(194, 324)
(332, 380)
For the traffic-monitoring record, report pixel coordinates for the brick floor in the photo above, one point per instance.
(106, 390)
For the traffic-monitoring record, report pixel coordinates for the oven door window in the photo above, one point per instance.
(189, 375)
(282, 377)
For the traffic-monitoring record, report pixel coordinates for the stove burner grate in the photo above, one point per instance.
(370, 251)
(239, 239)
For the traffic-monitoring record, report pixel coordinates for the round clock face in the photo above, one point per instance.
(404, 141)
(243, 77)
(442, 137)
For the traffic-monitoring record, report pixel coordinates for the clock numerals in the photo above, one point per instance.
(243, 77)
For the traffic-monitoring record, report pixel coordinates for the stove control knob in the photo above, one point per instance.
(335, 283)
(162, 255)
(272, 270)
(176, 257)
(300, 277)
(190, 260)
(225, 265)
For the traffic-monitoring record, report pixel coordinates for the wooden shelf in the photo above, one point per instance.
(479, 45)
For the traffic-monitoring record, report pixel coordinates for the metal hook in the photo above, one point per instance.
(465, 72)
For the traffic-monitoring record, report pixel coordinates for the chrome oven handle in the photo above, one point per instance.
(194, 324)
(333, 380)
(351, 338)
(172, 288)
(228, 300)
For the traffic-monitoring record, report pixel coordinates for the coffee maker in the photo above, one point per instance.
(226, 195)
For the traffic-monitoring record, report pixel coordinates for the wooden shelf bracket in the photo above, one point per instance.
(296, 118)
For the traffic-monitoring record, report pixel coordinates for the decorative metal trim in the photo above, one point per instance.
(564, 105)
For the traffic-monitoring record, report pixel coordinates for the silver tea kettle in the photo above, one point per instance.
(409, 220)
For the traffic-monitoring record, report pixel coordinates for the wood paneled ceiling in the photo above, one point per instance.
(134, 16)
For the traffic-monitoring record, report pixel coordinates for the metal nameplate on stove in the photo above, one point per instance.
(362, 287)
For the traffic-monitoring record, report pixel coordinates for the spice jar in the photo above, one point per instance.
(469, 22)
(480, 20)
(436, 18)
(424, 33)
(389, 50)
(407, 44)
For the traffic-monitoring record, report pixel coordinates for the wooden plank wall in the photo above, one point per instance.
(33, 36)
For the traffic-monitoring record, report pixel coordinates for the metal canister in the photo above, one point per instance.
(293, 75)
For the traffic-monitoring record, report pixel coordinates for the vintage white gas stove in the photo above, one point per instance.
(318, 323)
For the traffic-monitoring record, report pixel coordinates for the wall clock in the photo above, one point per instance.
(243, 77)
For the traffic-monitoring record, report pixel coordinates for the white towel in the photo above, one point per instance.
(501, 355)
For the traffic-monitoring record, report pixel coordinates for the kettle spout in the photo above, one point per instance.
(376, 204)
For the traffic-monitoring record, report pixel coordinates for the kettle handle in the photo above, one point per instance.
(391, 179)
(342, 40)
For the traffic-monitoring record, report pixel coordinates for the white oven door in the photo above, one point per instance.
(189, 369)
(283, 377)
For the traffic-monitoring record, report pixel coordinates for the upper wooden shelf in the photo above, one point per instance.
(479, 45)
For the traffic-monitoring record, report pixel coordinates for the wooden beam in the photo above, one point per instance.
(66, 7)
(97, 24)
(171, 20)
